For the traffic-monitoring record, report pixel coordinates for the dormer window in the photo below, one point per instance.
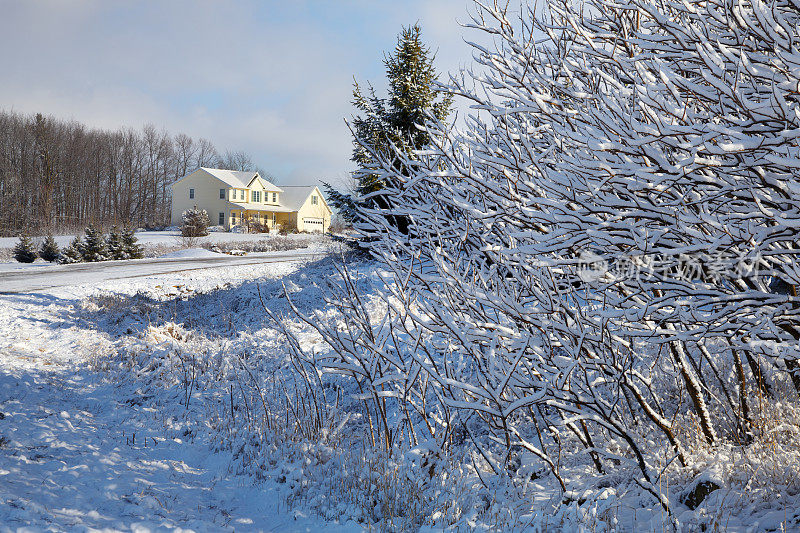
(274, 198)
(256, 196)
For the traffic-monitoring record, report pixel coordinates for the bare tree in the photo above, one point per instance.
(235, 161)
(57, 175)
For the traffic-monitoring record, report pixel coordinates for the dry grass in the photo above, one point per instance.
(272, 244)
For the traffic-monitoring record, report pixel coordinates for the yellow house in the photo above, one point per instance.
(232, 197)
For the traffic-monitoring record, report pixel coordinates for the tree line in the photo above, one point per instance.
(57, 175)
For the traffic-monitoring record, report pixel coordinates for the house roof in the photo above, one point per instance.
(294, 196)
(239, 179)
(268, 185)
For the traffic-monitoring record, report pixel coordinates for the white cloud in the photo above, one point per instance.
(272, 78)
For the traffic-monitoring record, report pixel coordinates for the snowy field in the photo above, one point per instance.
(83, 446)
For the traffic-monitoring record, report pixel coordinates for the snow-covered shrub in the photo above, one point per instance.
(49, 250)
(195, 223)
(94, 246)
(130, 244)
(115, 245)
(288, 228)
(25, 250)
(273, 244)
(603, 263)
(73, 253)
(595, 297)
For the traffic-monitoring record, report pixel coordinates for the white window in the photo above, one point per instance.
(314, 200)
(274, 198)
(222, 219)
(256, 196)
(191, 194)
(222, 194)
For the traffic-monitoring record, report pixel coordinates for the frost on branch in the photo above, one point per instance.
(657, 139)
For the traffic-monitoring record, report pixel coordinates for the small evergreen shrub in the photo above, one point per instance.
(195, 223)
(94, 246)
(72, 253)
(115, 245)
(49, 250)
(24, 251)
(288, 228)
(130, 244)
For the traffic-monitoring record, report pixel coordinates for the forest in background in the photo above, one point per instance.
(58, 175)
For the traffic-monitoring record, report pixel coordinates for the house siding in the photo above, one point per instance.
(206, 196)
(320, 211)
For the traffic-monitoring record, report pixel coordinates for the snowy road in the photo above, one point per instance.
(37, 278)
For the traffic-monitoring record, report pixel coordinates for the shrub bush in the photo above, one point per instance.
(24, 251)
(133, 250)
(49, 250)
(115, 245)
(72, 253)
(195, 223)
(94, 247)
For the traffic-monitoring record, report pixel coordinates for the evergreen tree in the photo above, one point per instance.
(195, 223)
(391, 123)
(72, 253)
(131, 245)
(49, 250)
(115, 245)
(94, 246)
(24, 251)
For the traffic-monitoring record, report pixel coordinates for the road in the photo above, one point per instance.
(50, 277)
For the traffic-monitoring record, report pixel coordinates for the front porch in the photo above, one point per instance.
(261, 218)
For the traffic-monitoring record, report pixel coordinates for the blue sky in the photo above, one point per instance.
(271, 78)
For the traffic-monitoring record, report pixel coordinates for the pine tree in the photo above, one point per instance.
(115, 245)
(195, 223)
(49, 250)
(24, 251)
(131, 245)
(391, 123)
(94, 248)
(72, 253)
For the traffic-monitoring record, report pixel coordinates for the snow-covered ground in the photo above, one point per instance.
(80, 450)
(157, 402)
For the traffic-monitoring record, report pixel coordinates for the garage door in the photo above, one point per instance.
(313, 224)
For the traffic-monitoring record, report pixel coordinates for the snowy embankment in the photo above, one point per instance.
(171, 401)
(86, 442)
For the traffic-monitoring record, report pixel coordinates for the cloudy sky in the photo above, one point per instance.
(272, 78)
